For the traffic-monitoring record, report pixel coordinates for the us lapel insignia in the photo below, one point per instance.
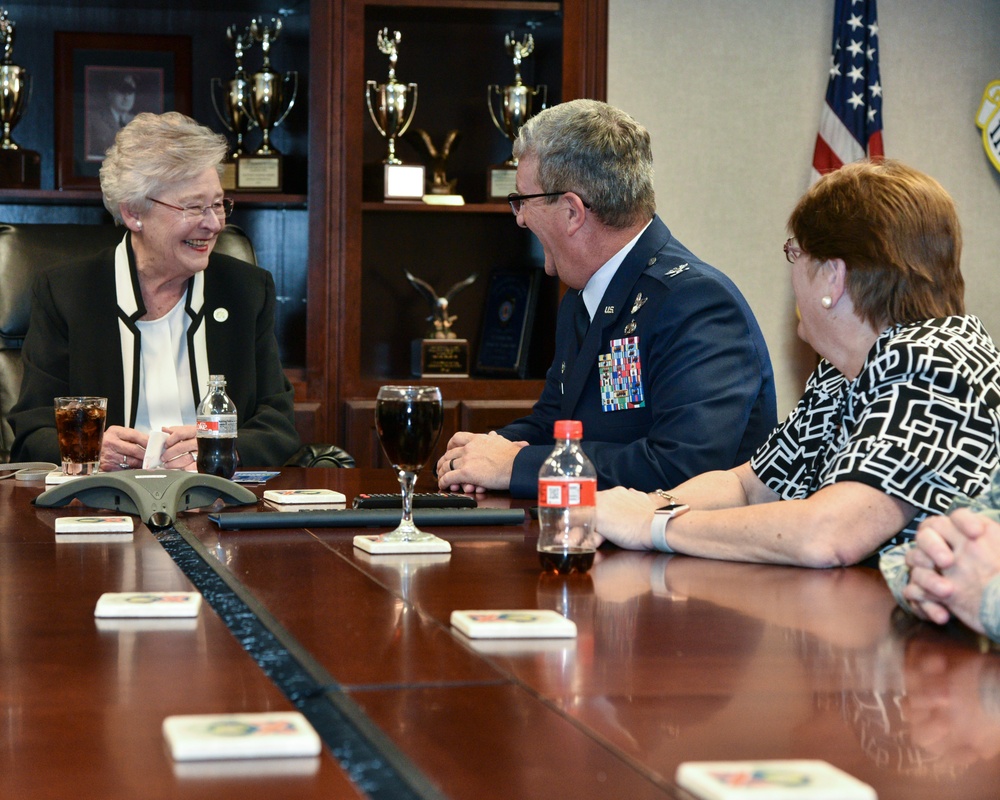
(609, 309)
(640, 301)
(630, 327)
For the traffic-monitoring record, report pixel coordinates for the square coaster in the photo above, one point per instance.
(94, 529)
(96, 524)
(372, 543)
(199, 737)
(148, 604)
(304, 496)
(774, 779)
(528, 623)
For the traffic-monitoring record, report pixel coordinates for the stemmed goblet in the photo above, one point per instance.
(408, 420)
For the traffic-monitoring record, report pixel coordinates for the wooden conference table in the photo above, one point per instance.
(677, 659)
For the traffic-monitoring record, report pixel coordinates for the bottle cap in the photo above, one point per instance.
(569, 429)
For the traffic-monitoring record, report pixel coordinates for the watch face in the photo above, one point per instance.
(672, 510)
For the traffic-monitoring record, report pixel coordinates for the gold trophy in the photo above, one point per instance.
(440, 190)
(270, 102)
(440, 354)
(19, 168)
(515, 108)
(234, 108)
(391, 116)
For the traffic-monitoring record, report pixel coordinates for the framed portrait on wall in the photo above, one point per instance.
(102, 80)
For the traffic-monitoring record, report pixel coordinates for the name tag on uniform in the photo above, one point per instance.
(621, 376)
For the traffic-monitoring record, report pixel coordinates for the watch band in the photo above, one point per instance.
(661, 517)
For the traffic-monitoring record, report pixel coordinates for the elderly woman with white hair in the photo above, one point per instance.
(145, 323)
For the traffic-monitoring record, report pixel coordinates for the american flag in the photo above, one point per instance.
(850, 125)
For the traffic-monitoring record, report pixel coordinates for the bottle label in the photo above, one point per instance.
(217, 426)
(560, 492)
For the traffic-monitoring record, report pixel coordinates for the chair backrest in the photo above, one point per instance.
(26, 249)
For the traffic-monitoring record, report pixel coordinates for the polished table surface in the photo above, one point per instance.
(82, 700)
(676, 659)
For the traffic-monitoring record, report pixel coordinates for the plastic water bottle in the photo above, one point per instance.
(567, 488)
(216, 430)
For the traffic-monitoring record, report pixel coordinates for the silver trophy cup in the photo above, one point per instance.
(272, 94)
(391, 110)
(20, 168)
(231, 99)
(15, 85)
(515, 101)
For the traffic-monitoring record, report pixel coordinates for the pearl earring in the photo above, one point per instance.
(138, 224)
(827, 301)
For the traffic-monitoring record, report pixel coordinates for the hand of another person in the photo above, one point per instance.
(977, 562)
(122, 448)
(964, 549)
(180, 451)
(625, 516)
(927, 590)
(476, 462)
(926, 594)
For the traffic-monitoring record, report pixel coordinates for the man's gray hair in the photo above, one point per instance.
(597, 151)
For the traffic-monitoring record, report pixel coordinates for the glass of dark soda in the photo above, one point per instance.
(80, 429)
(408, 420)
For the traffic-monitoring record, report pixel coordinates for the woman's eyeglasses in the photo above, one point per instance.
(792, 253)
(222, 209)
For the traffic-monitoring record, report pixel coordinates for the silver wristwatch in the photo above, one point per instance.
(662, 516)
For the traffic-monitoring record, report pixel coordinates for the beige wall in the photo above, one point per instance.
(731, 91)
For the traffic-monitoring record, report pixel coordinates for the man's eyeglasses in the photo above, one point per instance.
(792, 253)
(222, 209)
(516, 200)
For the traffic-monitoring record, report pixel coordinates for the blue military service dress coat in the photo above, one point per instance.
(672, 378)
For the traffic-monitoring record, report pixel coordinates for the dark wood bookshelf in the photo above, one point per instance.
(341, 334)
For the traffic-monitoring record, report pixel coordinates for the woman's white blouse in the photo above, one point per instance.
(165, 398)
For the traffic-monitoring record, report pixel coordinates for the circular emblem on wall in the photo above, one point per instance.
(988, 118)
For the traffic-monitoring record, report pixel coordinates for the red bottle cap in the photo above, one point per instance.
(569, 429)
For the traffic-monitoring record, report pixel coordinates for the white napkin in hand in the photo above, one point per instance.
(154, 450)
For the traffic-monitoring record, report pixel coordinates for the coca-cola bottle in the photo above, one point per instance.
(216, 425)
(567, 488)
